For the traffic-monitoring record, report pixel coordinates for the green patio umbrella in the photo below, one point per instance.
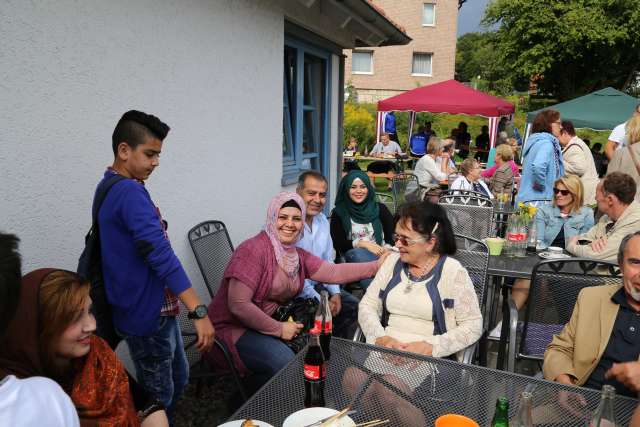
(600, 110)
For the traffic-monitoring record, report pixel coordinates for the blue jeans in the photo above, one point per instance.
(161, 363)
(360, 255)
(263, 355)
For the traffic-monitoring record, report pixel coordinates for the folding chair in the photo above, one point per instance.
(212, 248)
(555, 285)
(401, 184)
(470, 214)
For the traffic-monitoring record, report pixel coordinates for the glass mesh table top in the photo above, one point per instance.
(411, 390)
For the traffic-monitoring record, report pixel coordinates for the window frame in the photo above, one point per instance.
(430, 74)
(433, 24)
(292, 166)
(366, 73)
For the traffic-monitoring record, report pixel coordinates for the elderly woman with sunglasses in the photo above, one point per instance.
(422, 300)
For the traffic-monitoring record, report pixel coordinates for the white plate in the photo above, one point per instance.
(311, 415)
(553, 255)
(238, 423)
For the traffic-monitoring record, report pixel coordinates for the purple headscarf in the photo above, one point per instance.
(286, 255)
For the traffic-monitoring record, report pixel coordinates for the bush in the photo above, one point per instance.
(359, 123)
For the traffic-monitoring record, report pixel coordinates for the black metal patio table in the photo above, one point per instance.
(420, 388)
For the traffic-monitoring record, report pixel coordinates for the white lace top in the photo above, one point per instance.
(410, 311)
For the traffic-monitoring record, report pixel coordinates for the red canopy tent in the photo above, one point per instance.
(450, 97)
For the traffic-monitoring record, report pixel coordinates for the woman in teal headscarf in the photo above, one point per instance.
(360, 226)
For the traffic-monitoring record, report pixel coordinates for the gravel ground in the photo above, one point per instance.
(213, 407)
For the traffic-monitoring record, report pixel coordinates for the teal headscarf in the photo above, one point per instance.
(361, 213)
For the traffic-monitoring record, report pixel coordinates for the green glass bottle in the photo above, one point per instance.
(501, 416)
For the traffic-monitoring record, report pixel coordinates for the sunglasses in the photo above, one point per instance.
(407, 242)
(563, 192)
(410, 242)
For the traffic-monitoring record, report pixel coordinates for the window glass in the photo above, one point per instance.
(362, 62)
(429, 14)
(421, 64)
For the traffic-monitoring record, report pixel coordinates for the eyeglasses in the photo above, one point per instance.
(407, 242)
(563, 192)
(410, 242)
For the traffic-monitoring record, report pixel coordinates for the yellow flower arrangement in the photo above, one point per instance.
(526, 212)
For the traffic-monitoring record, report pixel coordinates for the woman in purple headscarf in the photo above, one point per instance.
(267, 271)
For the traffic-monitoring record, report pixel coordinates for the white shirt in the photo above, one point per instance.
(391, 148)
(619, 135)
(428, 171)
(317, 241)
(462, 183)
(35, 401)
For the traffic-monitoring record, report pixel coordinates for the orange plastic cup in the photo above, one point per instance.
(455, 420)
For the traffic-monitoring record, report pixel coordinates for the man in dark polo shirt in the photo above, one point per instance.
(601, 343)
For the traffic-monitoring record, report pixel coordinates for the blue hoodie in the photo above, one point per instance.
(137, 259)
(542, 166)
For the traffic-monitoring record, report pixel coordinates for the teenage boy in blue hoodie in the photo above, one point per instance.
(143, 277)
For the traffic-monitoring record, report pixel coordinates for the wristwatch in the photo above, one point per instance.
(200, 312)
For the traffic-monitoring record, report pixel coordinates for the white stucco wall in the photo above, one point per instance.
(212, 69)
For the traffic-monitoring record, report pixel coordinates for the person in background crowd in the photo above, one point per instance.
(615, 198)
(360, 226)
(390, 125)
(265, 272)
(618, 137)
(384, 148)
(470, 178)
(33, 401)
(427, 170)
(599, 159)
(627, 160)
(428, 131)
(418, 143)
(577, 160)
(463, 140)
(489, 172)
(52, 335)
(603, 316)
(316, 239)
(501, 180)
(353, 144)
(542, 158)
(447, 149)
(143, 277)
(503, 138)
(482, 144)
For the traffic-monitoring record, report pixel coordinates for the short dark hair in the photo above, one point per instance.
(543, 120)
(567, 126)
(597, 146)
(302, 178)
(10, 279)
(423, 217)
(134, 127)
(623, 245)
(621, 185)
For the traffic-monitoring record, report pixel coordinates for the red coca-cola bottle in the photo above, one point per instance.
(324, 323)
(314, 372)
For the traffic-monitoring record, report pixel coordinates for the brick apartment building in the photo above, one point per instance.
(378, 73)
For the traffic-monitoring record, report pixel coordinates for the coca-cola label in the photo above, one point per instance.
(312, 372)
(328, 326)
(516, 237)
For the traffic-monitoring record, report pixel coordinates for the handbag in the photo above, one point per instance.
(301, 310)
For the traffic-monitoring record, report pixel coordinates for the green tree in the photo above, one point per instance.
(476, 62)
(359, 123)
(571, 47)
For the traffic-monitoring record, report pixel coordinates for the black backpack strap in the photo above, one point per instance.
(101, 194)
